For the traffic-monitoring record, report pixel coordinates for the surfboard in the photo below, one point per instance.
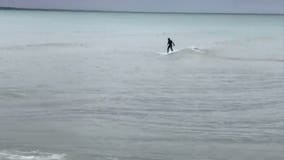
(168, 53)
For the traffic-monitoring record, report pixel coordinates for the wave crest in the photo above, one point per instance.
(33, 155)
(214, 54)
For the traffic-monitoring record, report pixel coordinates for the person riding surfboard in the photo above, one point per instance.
(170, 45)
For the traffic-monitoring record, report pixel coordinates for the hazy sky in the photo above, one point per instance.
(240, 6)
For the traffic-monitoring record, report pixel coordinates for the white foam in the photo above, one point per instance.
(192, 48)
(33, 155)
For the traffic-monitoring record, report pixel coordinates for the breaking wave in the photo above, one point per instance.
(213, 54)
(33, 155)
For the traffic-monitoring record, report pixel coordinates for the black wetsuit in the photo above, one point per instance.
(170, 45)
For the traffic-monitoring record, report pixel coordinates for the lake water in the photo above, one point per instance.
(98, 86)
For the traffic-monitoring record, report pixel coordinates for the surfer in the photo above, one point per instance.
(170, 45)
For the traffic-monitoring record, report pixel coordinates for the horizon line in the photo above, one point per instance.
(145, 12)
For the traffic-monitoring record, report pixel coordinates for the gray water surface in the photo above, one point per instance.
(93, 86)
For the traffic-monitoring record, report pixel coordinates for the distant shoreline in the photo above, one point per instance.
(144, 12)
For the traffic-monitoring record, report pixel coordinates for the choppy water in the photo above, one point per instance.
(93, 86)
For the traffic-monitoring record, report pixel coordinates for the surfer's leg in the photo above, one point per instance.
(172, 48)
(168, 49)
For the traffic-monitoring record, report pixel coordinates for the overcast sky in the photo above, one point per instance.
(239, 6)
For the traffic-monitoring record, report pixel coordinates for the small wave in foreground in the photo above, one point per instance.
(33, 155)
